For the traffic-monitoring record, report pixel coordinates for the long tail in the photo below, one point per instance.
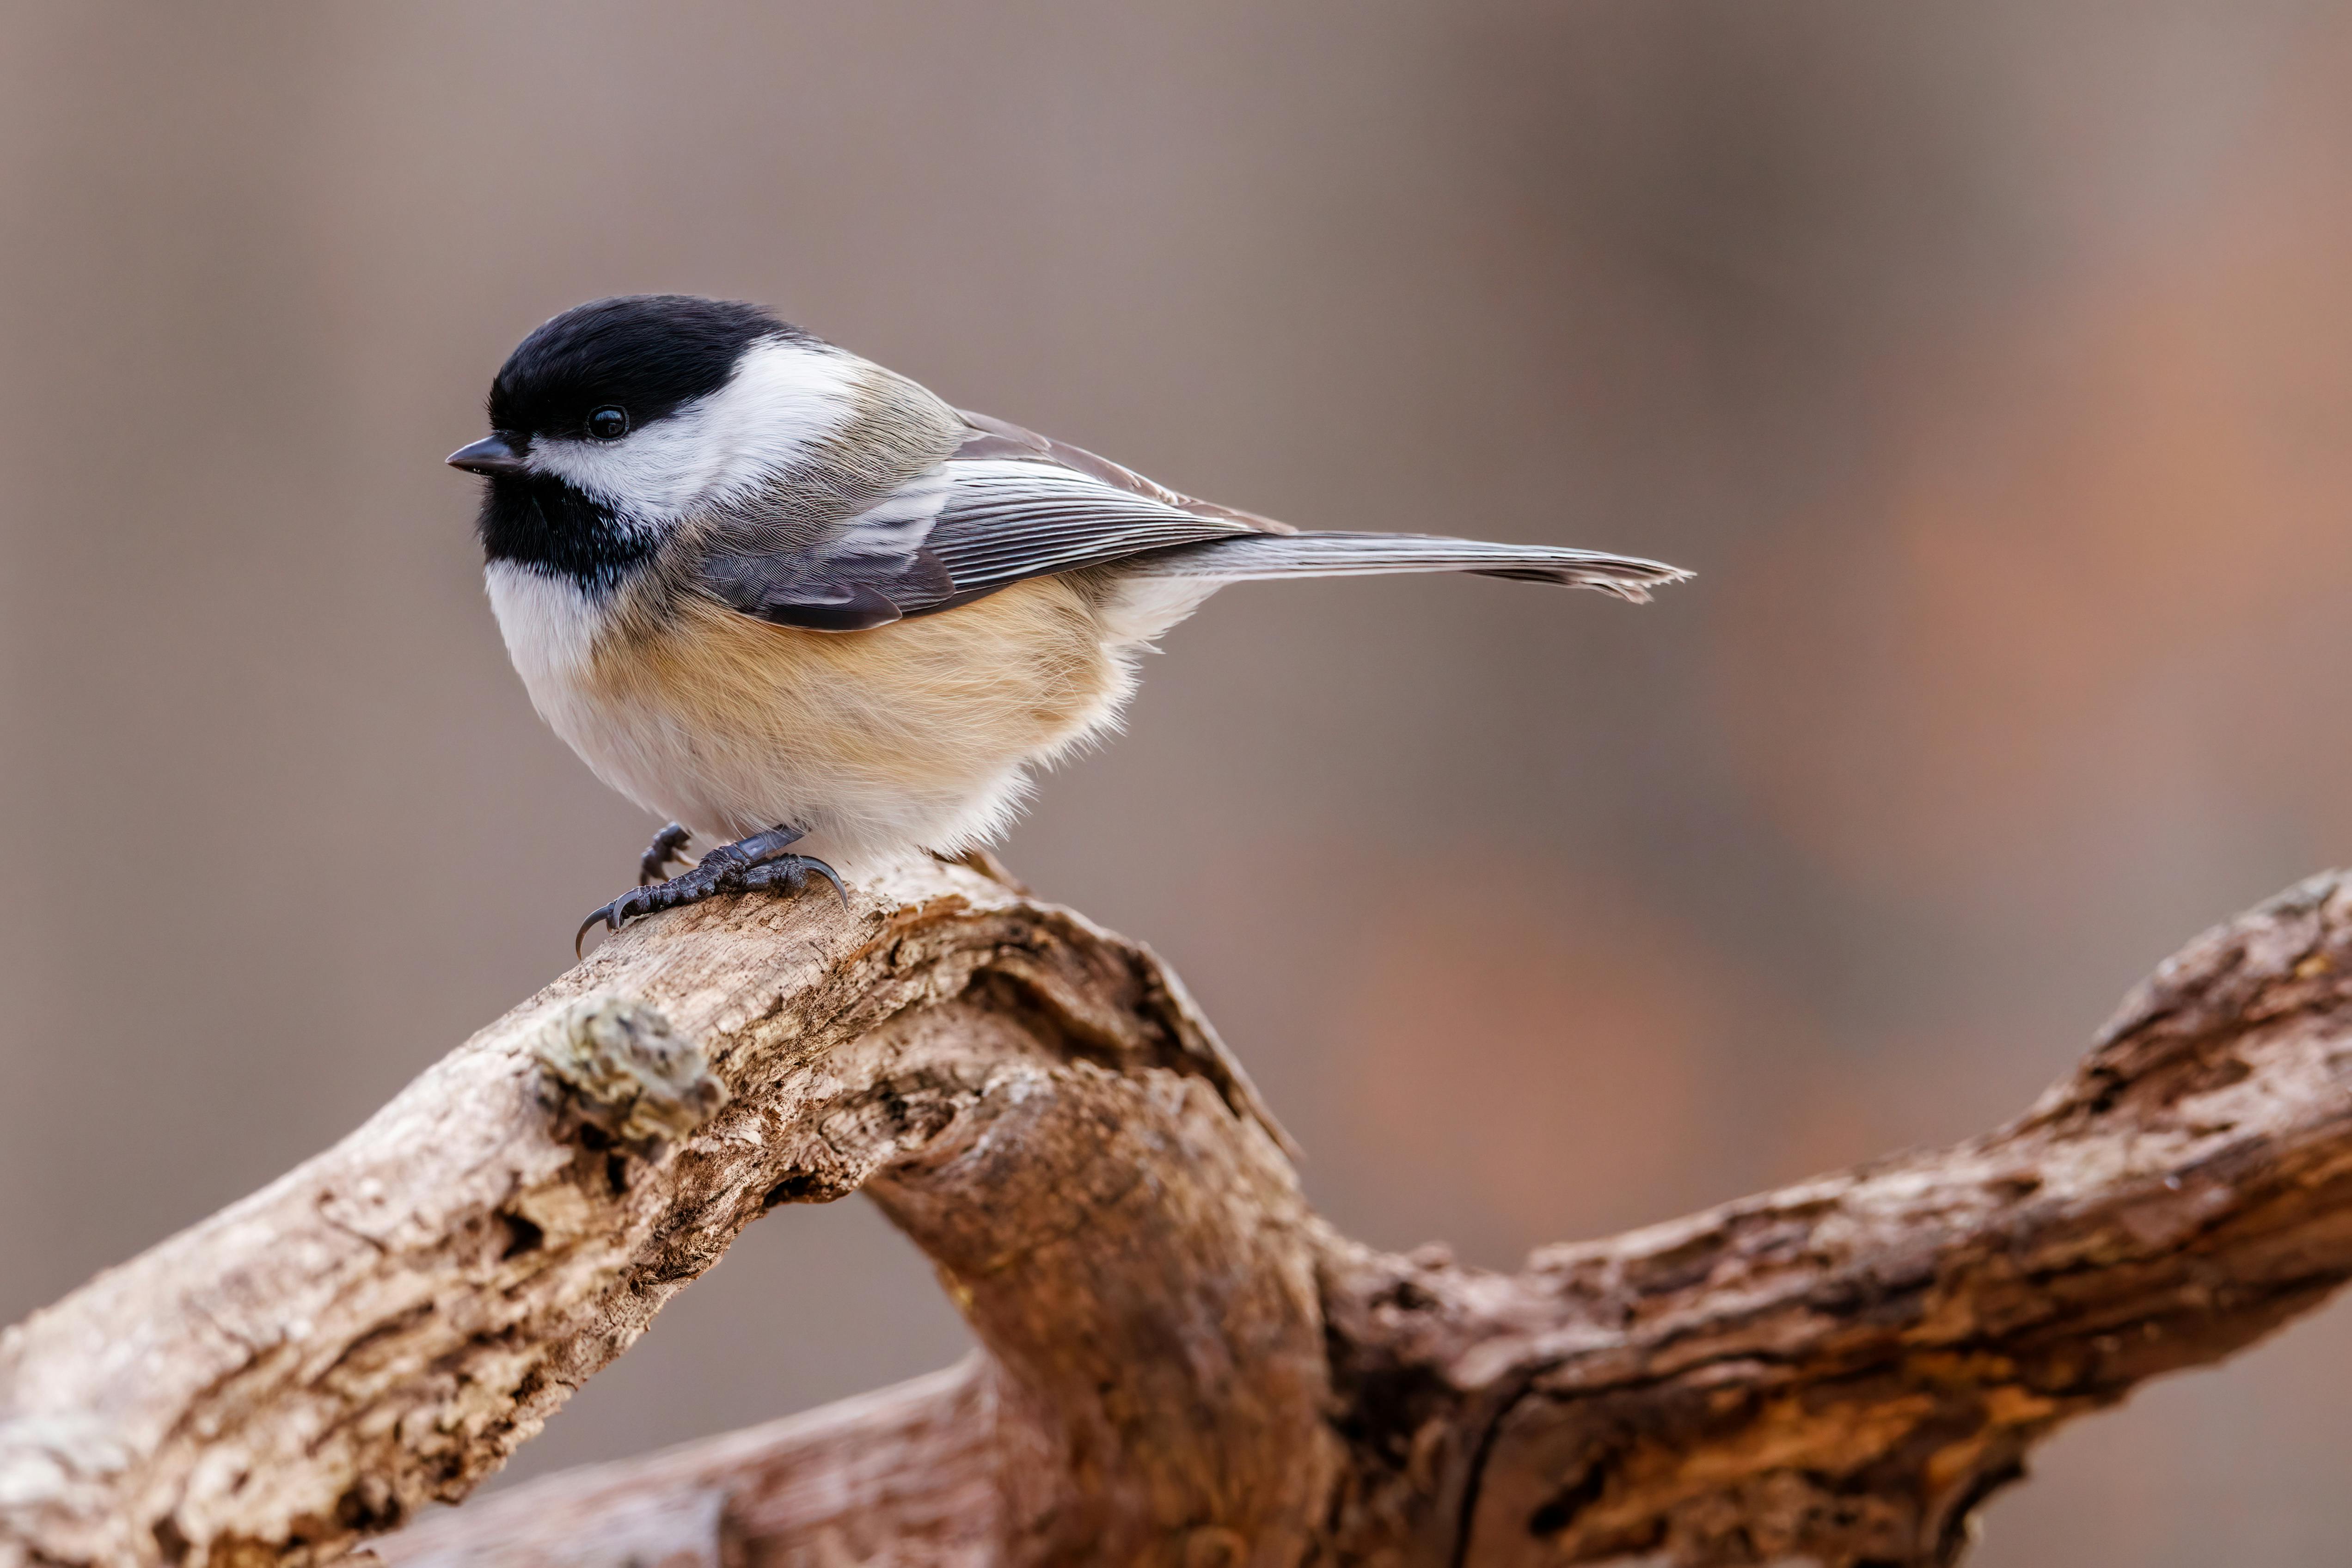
(1259, 555)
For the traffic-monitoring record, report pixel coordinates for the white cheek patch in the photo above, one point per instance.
(646, 475)
(783, 398)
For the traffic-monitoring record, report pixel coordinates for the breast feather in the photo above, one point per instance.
(915, 731)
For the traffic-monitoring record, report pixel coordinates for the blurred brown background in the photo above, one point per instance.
(1992, 362)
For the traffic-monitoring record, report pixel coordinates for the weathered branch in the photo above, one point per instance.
(1181, 1364)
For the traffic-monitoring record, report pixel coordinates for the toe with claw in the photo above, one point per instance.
(748, 865)
(791, 872)
(668, 845)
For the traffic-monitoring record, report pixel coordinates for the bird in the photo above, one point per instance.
(812, 615)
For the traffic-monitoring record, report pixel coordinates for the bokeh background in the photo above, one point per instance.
(1990, 362)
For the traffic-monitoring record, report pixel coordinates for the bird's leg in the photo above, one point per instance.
(668, 845)
(745, 866)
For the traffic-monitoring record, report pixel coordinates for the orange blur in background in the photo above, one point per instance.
(1991, 364)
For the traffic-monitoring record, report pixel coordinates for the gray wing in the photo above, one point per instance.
(1009, 505)
(1174, 535)
(1006, 506)
(996, 439)
(1006, 519)
(870, 570)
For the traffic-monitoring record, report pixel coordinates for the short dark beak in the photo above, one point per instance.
(491, 455)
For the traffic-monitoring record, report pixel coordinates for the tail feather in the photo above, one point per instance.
(1255, 556)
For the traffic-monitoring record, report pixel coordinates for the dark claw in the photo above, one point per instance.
(829, 874)
(605, 914)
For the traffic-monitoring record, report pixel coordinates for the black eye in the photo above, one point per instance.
(609, 424)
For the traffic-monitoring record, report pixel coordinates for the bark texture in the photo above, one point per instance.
(1181, 1364)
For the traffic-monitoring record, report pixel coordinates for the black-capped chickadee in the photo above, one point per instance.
(784, 596)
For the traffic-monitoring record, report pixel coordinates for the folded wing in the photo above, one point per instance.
(1011, 505)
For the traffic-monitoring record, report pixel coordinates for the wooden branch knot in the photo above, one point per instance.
(616, 1065)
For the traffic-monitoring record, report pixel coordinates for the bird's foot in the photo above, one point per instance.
(745, 866)
(668, 845)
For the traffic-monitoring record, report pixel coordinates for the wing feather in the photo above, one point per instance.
(1363, 554)
(1007, 519)
(1009, 504)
